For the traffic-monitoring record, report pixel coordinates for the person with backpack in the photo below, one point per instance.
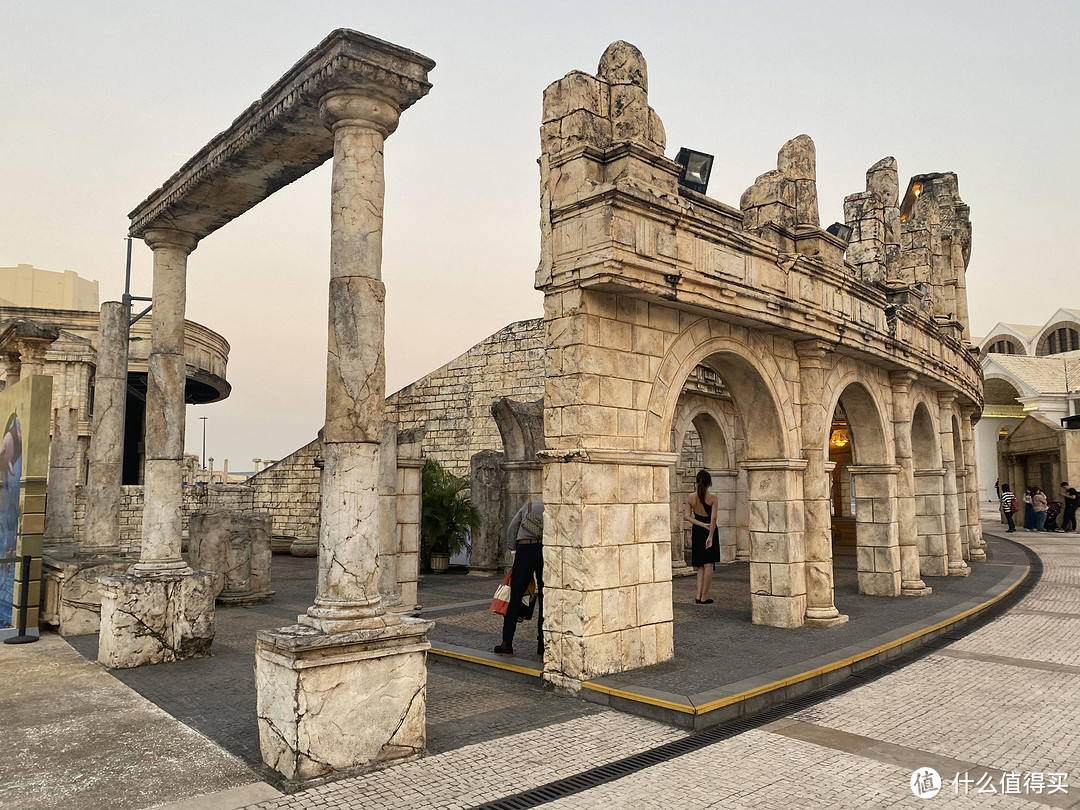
(1009, 504)
(525, 538)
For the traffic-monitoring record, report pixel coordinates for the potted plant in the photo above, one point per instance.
(447, 515)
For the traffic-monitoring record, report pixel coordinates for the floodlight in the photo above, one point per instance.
(840, 231)
(697, 166)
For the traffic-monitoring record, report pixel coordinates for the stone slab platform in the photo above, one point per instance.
(724, 666)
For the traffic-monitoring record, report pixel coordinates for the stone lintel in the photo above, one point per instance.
(928, 473)
(281, 136)
(874, 469)
(645, 458)
(404, 462)
(773, 464)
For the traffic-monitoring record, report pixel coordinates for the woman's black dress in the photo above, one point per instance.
(699, 555)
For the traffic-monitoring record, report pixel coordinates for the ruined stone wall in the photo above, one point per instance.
(230, 496)
(453, 404)
(289, 491)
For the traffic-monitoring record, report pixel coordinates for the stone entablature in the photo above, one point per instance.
(206, 353)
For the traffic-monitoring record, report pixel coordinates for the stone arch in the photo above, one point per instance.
(873, 485)
(929, 492)
(750, 373)
(1071, 334)
(1017, 343)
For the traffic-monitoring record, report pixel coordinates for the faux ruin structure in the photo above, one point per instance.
(645, 281)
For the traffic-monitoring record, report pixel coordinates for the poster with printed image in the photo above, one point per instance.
(25, 410)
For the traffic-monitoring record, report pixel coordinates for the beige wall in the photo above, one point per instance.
(29, 286)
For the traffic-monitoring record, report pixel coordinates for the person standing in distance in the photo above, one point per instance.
(1008, 500)
(525, 538)
(1068, 517)
(705, 551)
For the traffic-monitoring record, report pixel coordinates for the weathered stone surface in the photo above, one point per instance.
(235, 545)
(154, 620)
(488, 492)
(336, 702)
(63, 449)
(106, 453)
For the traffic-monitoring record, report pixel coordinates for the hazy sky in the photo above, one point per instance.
(101, 102)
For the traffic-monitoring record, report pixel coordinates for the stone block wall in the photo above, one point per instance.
(227, 496)
(453, 404)
(289, 491)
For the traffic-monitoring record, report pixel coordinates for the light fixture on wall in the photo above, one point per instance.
(697, 166)
(839, 438)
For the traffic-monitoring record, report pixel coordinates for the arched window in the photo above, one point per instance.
(1002, 347)
(1062, 339)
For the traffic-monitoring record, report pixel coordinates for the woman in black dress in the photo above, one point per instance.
(705, 551)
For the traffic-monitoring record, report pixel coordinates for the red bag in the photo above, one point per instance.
(1014, 506)
(501, 601)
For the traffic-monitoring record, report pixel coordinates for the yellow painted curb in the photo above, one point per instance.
(835, 665)
(487, 662)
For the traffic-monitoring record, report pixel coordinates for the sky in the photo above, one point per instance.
(101, 102)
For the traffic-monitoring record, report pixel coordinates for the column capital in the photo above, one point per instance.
(360, 107)
(967, 410)
(946, 399)
(811, 352)
(902, 380)
(169, 237)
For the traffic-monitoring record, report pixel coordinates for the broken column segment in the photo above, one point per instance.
(786, 196)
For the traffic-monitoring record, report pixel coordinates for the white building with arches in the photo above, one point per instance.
(1032, 392)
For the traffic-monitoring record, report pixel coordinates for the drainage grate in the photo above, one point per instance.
(612, 771)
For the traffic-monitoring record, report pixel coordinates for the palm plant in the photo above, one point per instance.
(447, 516)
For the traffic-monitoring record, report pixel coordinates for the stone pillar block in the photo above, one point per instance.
(155, 620)
(338, 702)
(877, 533)
(237, 546)
(488, 491)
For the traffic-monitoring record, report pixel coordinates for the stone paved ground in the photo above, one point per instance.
(1001, 702)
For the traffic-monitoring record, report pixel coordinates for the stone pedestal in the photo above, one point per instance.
(155, 620)
(235, 545)
(71, 591)
(341, 702)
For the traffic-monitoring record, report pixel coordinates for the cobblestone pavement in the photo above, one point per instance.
(999, 708)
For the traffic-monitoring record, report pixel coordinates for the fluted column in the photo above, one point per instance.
(101, 532)
(347, 593)
(820, 609)
(911, 583)
(953, 537)
(164, 439)
(976, 544)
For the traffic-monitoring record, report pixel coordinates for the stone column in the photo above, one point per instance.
(911, 583)
(363, 667)
(976, 544)
(101, 530)
(388, 519)
(32, 356)
(930, 522)
(347, 592)
(60, 505)
(953, 538)
(12, 368)
(488, 492)
(777, 550)
(163, 487)
(410, 466)
(820, 610)
(876, 533)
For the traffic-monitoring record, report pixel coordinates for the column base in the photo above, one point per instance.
(978, 555)
(71, 598)
(915, 588)
(341, 703)
(331, 620)
(155, 620)
(238, 599)
(823, 620)
(154, 569)
(959, 570)
(683, 570)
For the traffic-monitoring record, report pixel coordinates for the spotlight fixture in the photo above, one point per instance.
(840, 231)
(697, 166)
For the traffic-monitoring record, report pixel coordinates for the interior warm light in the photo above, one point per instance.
(917, 189)
(839, 438)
